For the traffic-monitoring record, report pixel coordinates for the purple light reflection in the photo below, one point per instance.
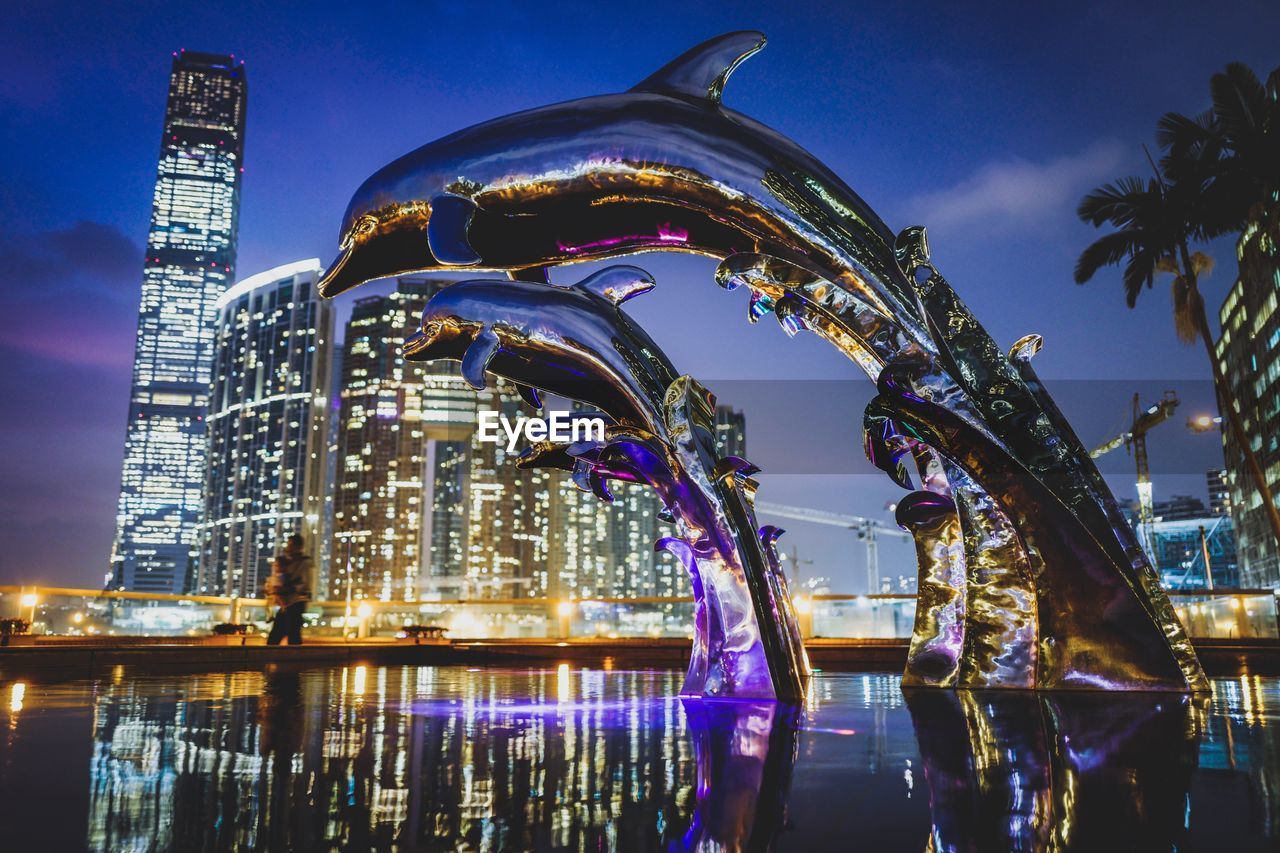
(666, 234)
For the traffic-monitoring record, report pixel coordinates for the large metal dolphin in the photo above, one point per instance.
(664, 166)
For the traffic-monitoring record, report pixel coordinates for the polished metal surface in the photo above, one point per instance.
(1054, 592)
(576, 342)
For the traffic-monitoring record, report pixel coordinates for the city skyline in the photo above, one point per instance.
(934, 177)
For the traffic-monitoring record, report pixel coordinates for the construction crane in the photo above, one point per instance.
(1135, 440)
(868, 529)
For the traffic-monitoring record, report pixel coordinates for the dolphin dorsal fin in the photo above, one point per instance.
(701, 72)
(618, 284)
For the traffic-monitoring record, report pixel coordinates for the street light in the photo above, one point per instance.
(364, 610)
(30, 599)
(1204, 423)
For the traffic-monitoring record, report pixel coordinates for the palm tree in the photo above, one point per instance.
(1230, 158)
(1156, 221)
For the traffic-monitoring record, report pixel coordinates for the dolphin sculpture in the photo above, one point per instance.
(666, 166)
(576, 342)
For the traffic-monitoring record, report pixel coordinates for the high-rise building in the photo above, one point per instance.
(731, 432)
(449, 462)
(599, 549)
(1219, 491)
(190, 259)
(509, 526)
(1178, 508)
(267, 427)
(397, 499)
(1248, 353)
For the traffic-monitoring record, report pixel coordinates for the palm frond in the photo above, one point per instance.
(1175, 131)
(1139, 273)
(1201, 265)
(1105, 251)
(1118, 202)
(1239, 101)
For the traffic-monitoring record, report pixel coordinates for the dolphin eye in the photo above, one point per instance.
(359, 228)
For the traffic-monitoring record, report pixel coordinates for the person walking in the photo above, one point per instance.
(287, 588)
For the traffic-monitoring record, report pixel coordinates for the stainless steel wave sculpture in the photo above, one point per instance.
(1030, 578)
(576, 342)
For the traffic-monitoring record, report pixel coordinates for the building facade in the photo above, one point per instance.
(1219, 487)
(1180, 547)
(731, 432)
(190, 260)
(509, 513)
(267, 428)
(398, 516)
(1248, 353)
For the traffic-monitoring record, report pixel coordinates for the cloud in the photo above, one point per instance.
(70, 295)
(1018, 192)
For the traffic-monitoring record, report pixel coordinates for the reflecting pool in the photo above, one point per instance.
(449, 758)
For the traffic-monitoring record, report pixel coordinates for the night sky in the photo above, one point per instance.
(984, 122)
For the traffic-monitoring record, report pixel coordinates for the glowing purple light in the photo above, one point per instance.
(666, 234)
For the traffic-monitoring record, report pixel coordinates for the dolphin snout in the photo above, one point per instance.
(382, 252)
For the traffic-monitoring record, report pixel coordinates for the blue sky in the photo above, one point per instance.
(984, 122)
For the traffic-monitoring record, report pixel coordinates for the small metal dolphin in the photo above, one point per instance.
(573, 342)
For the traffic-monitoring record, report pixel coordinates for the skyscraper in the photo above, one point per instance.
(1248, 354)
(731, 431)
(1219, 491)
(599, 549)
(508, 513)
(190, 259)
(399, 421)
(267, 425)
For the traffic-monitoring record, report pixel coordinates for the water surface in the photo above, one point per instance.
(450, 758)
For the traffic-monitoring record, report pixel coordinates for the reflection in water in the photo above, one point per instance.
(745, 752)
(363, 757)
(1083, 771)
(423, 758)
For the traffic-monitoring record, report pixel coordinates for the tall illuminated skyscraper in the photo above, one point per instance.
(268, 425)
(190, 260)
(1248, 352)
(397, 500)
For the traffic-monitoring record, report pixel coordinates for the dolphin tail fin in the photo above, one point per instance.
(618, 284)
(701, 71)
